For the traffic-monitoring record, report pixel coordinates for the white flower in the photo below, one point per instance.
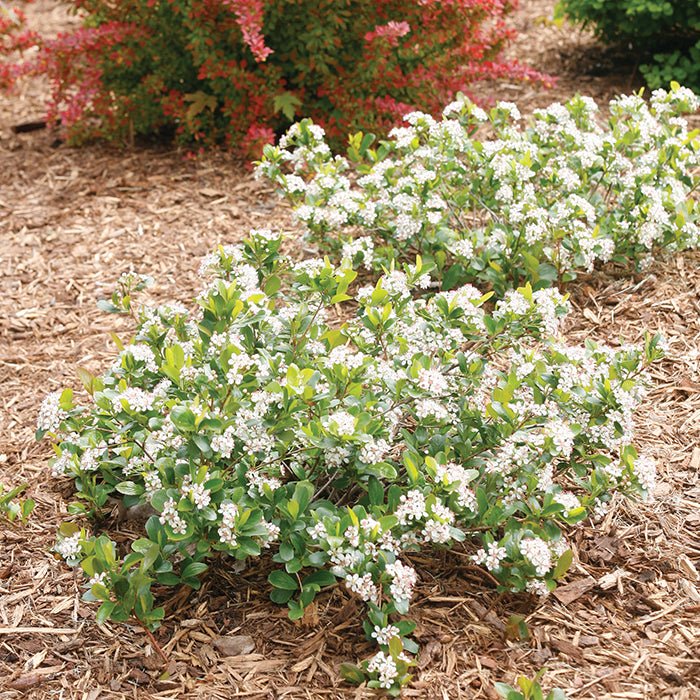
(433, 381)
(318, 531)
(491, 557)
(69, 548)
(171, 517)
(436, 531)
(50, 413)
(384, 634)
(362, 585)
(568, 500)
(411, 507)
(100, 578)
(373, 452)
(404, 579)
(142, 353)
(343, 422)
(538, 553)
(135, 398)
(645, 471)
(385, 668)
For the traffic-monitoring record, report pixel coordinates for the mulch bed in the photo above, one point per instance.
(625, 625)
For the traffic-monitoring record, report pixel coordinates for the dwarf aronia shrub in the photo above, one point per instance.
(253, 419)
(488, 202)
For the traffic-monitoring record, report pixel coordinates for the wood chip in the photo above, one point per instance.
(574, 590)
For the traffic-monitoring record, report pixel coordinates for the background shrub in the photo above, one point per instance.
(239, 70)
(667, 32)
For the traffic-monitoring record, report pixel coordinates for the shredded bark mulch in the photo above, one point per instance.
(625, 625)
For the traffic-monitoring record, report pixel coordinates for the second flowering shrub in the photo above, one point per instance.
(251, 420)
(537, 204)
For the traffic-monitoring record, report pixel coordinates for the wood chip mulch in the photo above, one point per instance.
(625, 625)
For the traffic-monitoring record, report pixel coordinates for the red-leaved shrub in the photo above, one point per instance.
(238, 71)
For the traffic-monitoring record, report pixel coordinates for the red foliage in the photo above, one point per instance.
(241, 70)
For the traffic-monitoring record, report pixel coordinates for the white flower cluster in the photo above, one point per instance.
(70, 548)
(374, 451)
(569, 500)
(384, 634)
(200, 496)
(645, 471)
(135, 398)
(343, 422)
(412, 507)
(363, 586)
(491, 557)
(538, 553)
(50, 413)
(171, 517)
(404, 579)
(385, 667)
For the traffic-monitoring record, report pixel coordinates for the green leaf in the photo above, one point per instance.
(183, 418)
(193, 569)
(287, 103)
(352, 673)
(203, 445)
(280, 596)
(280, 579)
(303, 492)
(100, 592)
(109, 307)
(563, 564)
(89, 381)
(116, 341)
(286, 552)
(376, 491)
(319, 578)
(272, 285)
(27, 508)
(508, 692)
(149, 558)
(104, 611)
(130, 488)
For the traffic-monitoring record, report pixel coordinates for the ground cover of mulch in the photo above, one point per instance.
(625, 625)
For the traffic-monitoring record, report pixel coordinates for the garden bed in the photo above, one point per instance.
(71, 220)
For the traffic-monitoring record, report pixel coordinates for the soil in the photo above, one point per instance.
(626, 624)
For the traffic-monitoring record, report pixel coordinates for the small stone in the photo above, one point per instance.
(235, 645)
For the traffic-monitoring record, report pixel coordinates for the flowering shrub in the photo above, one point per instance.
(666, 32)
(252, 422)
(537, 204)
(238, 70)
